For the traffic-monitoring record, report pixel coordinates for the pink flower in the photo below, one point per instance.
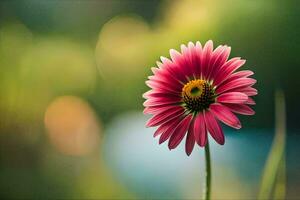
(195, 90)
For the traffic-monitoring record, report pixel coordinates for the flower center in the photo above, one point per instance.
(197, 95)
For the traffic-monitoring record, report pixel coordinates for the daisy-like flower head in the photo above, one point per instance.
(194, 90)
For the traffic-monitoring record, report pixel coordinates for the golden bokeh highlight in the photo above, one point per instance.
(119, 46)
(188, 14)
(15, 39)
(72, 126)
(58, 64)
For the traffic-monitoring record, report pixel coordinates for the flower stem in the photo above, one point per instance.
(207, 187)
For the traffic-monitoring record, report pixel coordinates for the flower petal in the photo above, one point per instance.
(250, 101)
(159, 93)
(190, 139)
(206, 56)
(175, 55)
(162, 128)
(169, 131)
(225, 115)
(166, 79)
(156, 84)
(237, 75)
(237, 83)
(241, 109)
(175, 71)
(218, 60)
(232, 97)
(197, 57)
(212, 60)
(241, 74)
(179, 132)
(158, 109)
(227, 69)
(165, 116)
(193, 57)
(200, 132)
(214, 127)
(250, 91)
(161, 101)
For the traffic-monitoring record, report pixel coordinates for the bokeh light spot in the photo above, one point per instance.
(72, 126)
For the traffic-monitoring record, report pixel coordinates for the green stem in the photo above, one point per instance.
(207, 187)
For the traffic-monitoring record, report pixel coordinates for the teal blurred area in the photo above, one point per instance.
(72, 75)
(158, 173)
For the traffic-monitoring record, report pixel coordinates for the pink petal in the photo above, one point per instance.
(250, 91)
(242, 74)
(163, 128)
(225, 115)
(212, 60)
(164, 72)
(237, 83)
(232, 97)
(197, 56)
(167, 80)
(175, 56)
(190, 139)
(237, 75)
(193, 56)
(154, 109)
(223, 57)
(170, 130)
(181, 61)
(179, 132)
(165, 116)
(241, 109)
(218, 60)
(198, 46)
(200, 130)
(250, 101)
(156, 84)
(155, 69)
(227, 69)
(158, 109)
(161, 101)
(214, 127)
(159, 93)
(191, 59)
(206, 56)
(175, 71)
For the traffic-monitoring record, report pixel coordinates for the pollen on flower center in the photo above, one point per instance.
(197, 95)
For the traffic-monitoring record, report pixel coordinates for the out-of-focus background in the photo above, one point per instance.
(71, 81)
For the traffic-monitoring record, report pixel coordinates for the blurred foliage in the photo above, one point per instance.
(100, 53)
(274, 174)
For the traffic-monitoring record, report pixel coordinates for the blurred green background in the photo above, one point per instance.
(72, 75)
